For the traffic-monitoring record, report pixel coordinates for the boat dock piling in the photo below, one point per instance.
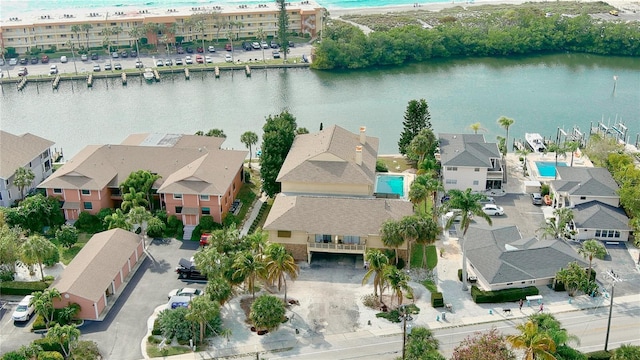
(124, 78)
(156, 75)
(56, 82)
(22, 83)
(186, 73)
(90, 80)
(247, 70)
(216, 70)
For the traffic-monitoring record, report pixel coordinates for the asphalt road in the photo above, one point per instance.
(149, 60)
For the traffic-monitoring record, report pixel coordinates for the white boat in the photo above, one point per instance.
(535, 142)
(148, 74)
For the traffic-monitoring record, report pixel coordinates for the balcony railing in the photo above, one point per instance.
(337, 247)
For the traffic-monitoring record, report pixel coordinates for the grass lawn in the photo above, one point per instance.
(395, 163)
(416, 256)
(67, 254)
(153, 352)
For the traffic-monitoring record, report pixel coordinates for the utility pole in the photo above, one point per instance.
(615, 279)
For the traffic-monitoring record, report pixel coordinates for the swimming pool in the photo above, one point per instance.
(548, 168)
(390, 184)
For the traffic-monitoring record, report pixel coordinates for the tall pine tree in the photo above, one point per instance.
(279, 132)
(416, 118)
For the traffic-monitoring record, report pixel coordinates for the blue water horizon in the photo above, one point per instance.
(20, 6)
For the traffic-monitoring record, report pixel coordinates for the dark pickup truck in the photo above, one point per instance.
(187, 270)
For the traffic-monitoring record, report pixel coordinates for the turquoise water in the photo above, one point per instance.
(14, 6)
(548, 168)
(390, 184)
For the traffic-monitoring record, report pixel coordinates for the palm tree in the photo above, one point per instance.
(506, 122)
(106, 41)
(257, 241)
(261, 35)
(116, 30)
(432, 184)
(476, 127)
(408, 229)
(267, 312)
(136, 32)
(423, 144)
(427, 233)
(280, 263)
(249, 267)
(572, 146)
(133, 198)
(200, 27)
(86, 28)
(468, 204)
(139, 216)
(524, 151)
(36, 250)
(590, 249)
(76, 30)
(218, 289)
(23, 178)
(249, 138)
(42, 302)
(152, 28)
(117, 220)
(536, 344)
(390, 232)
(229, 36)
(556, 227)
(66, 336)
(548, 323)
(202, 310)
(398, 281)
(376, 262)
(69, 43)
(418, 193)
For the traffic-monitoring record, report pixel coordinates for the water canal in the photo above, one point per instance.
(540, 93)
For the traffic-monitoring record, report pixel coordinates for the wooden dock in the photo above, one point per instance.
(247, 70)
(22, 83)
(124, 78)
(186, 73)
(216, 70)
(56, 82)
(90, 80)
(156, 75)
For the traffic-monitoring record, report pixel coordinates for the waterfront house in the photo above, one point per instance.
(578, 185)
(196, 177)
(99, 273)
(468, 161)
(28, 151)
(597, 220)
(43, 29)
(500, 258)
(327, 203)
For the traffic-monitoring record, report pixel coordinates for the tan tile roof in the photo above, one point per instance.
(17, 150)
(174, 140)
(334, 215)
(212, 173)
(329, 157)
(100, 166)
(90, 273)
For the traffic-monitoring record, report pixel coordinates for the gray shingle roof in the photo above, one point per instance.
(597, 215)
(329, 157)
(467, 150)
(334, 215)
(585, 181)
(501, 255)
(91, 271)
(17, 150)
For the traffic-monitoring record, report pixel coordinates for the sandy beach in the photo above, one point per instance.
(624, 5)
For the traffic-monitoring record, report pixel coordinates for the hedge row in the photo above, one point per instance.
(256, 221)
(504, 295)
(599, 355)
(22, 287)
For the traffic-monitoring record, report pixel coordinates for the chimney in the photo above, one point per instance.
(359, 155)
(363, 135)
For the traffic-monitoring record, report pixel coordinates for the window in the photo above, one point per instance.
(57, 191)
(204, 197)
(323, 238)
(86, 192)
(452, 181)
(178, 209)
(476, 169)
(351, 239)
(452, 168)
(88, 205)
(583, 198)
(475, 182)
(284, 233)
(177, 196)
(597, 233)
(206, 211)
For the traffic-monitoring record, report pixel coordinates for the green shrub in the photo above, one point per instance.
(85, 350)
(460, 275)
(505, 295)
(7, 275)
(599, 355)
(381, 166)
(400, 265)
(371, 301)
(22, 287)
(230, 219)
(38, 323)
(48, 344)
(247, 177)
(50, 355)
(566, 352)
(430, 285)
(437, 300)
(156, 328)
(162, 215)
(89, 223)
(153, 340)
(175, 228)
(53, 259)
(13, 355)
(207, 224)
(196, 233)
(394, 315)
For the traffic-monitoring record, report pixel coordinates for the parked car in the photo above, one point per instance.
(255, 45)
(53, 70)
(228, 58)
(24, 310)
(44, 59)
(188, 60)
(228, 47)
(84, 57)
(189, 50)
(276, 54)
(211, 48)
(63, 59)
(96, 67)
(536, 199)
(200, 50)
(291, 44)
(487, 200)
(613, 12)
(24, 61)
(204, 239)
(199, 59)
(94, 56)
(13, 61)
(107, 66)
(34, 59)
(208, 59)
(274, 44)
(264, 44)
(180, 50)
(452, 213)
(168, 62)
(159, 62)
(493, 210)
(178, 61)
(133, 53)
(124, 54)
(117, 66)
(139, 64)
(190, 292)
(115, 55)
(186, 269)
(246, 46)
(23, 71)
